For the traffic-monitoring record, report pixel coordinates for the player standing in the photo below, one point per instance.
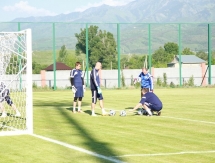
(5, 96)
(78, 87)
(95, 89)
(146, 80)
(150, 102)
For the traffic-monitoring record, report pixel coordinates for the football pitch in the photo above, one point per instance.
(184, 133)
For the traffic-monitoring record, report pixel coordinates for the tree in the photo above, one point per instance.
(202, 55)
(124, 62)
(160, 58)
(62, 54)
(101, 46)
(136, 61)
(71, 59)
(171, 48)
(213, 58)
(187, 51)
(36, 67)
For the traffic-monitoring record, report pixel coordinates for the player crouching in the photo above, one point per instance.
(5, 96)
(150, 103)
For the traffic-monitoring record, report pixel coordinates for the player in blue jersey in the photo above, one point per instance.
(78, 87)
(150, 103)
(146, 80)
(95, 89)
(5, 96)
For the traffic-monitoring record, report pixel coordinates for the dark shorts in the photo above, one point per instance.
(153, 107)
(79, 92)
(8, 100)
(96, 96)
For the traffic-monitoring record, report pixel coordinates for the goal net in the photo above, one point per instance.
(16, 115)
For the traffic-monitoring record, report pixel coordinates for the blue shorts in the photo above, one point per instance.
(153, 107)
(95, 95)
(79, 92)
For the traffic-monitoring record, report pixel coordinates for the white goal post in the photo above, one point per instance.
(16, 106)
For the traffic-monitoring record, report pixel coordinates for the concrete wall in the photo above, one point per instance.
(110, 77)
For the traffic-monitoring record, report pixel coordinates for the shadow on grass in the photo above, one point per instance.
(129, 108)
(96, 146)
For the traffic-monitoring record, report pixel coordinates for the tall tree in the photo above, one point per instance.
(201, 54)
(101, 46)
(62, 54)
(187, 51)
(160, 58)
(171, 48)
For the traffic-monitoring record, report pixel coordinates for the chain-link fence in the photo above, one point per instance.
(132, 39)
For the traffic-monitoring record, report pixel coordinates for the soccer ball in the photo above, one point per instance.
(140, 112)
(145, 112)
(112, 112)
(123, 113)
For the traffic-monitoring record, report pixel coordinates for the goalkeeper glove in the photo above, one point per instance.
(74, 89)
(99, 90)
(84, 88)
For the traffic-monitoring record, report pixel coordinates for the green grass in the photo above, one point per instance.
(187, 124)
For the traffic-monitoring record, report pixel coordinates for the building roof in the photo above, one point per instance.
(190, 59)
(59, 66)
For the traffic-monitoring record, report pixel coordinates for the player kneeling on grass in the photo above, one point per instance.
(150, 102)
(5, 96)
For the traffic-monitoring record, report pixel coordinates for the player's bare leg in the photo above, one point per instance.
(74, 107)
(79, 106)
(16, 110)
(102, 107)
(93, 109)
(4, 114)
(148, 110)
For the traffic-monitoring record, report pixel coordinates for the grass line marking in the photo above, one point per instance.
(78, 149)
(166, 154)
(184, 119)
(188, 120)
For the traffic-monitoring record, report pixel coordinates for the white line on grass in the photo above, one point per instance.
(184, 119)
(78, 148)
(166, 154)
(171, 117)
(188, 119)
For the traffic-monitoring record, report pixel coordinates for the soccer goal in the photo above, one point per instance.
(16, 108)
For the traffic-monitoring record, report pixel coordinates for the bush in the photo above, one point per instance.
(34, 85)
(132, 80)
(137, 85)
(164, 80)
(159, 81)
(123, 79)
(190, 82)
(172, 85)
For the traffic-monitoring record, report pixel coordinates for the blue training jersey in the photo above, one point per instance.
(151, 99)
(94, 79)
(146, 80)
(77, 77)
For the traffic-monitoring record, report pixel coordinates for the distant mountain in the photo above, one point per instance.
(134, 37)
(146, 11)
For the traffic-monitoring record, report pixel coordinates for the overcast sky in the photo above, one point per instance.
(11, 9)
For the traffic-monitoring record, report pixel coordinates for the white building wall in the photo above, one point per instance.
(110, 77)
